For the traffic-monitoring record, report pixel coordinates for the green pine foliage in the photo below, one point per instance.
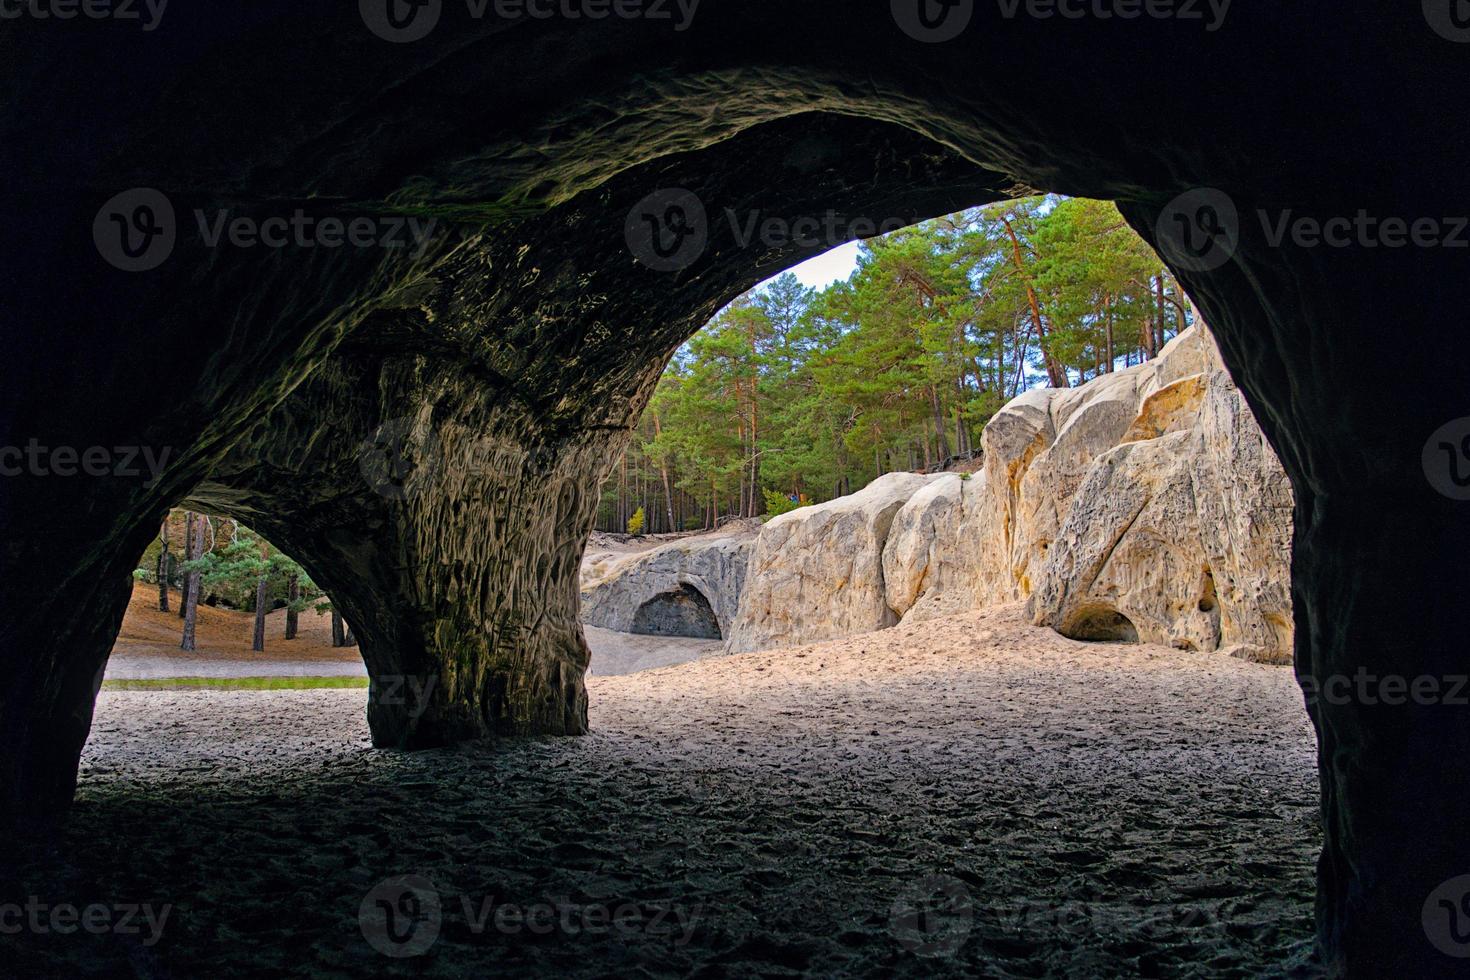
(795, 392)
(780, 503)
(230, 569)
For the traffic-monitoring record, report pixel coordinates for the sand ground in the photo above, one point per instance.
(972, 796)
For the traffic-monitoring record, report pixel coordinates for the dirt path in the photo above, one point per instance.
(967, 797)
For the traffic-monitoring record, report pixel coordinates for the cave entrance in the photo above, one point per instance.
(1100, 624)
(679, 612)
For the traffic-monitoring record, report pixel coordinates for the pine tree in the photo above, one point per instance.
(194, 523)
(163, 566)
(789, 391)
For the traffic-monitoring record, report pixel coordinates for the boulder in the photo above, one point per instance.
(816, 573)
(929, 561)
(1182, 534)
(1089, 420)
(1246, 519)
(1020, 432)
(1127, 562)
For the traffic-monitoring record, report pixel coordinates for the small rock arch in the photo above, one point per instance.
(1101, 624)
(683, 611)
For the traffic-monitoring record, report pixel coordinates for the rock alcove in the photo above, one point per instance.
(681, 612)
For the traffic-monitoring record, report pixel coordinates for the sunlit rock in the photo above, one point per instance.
(817, 572)
(689, 587)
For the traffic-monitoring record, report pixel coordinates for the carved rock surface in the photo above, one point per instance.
(1087, 421)
(712, 564)
(929, 565)
(1039, 448)
(816, 573)
(1128, 562)
(1181, 535)
(1245, 516)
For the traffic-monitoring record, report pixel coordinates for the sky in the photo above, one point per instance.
(827, 268)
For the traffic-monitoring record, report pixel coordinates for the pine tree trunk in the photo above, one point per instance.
(744, 447)
(1157, 327)
(941, 439)
(755, 449)
(258, 643)
(188, 549)
(293, 595)
(348, 640)
(1163, 324)
(339, 638)
(1054, 372)
(189, 608)
(163, 557)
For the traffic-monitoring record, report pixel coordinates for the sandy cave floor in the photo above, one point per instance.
(970, 796)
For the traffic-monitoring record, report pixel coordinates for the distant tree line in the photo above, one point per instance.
(792, 395)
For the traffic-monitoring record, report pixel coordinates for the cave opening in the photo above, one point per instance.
(1100, 624)
(681, 612)
(336, 544)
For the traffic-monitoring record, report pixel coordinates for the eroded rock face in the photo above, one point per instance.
(466, 614)
(621, 588)
(1144, 506)
(1019, 433)
(816, 573)
(1245, 518)
(931, 564)
(1088, 421)
(1182, 535)
(1038, 449)
(1127, 562)
(1113, 544)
